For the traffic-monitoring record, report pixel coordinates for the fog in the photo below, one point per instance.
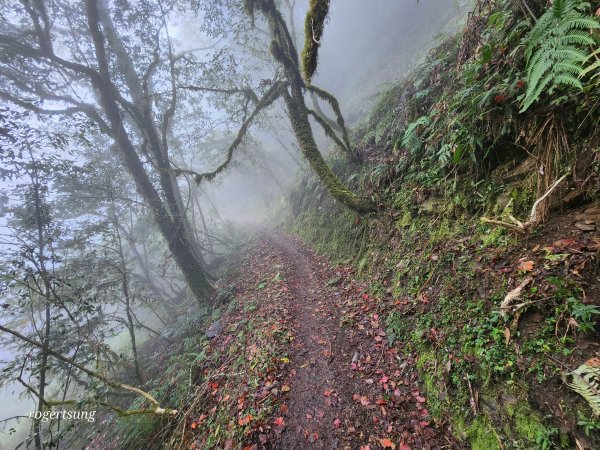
(366, 45)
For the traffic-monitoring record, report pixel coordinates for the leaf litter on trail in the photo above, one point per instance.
(372, 388)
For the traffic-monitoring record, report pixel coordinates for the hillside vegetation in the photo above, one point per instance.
(485, 162)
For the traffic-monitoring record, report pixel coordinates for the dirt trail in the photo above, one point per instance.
(311, 414)
(348, 388)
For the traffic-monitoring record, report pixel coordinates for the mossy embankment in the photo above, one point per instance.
(444, 149)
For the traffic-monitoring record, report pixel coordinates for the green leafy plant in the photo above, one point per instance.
(545, 438)
(556, 49)
(583, 314)
(588, 425)
(411, 140)
(396, 327)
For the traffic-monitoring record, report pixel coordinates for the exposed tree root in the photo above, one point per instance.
(533, 220)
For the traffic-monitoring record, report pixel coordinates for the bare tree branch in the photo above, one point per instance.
(114, 384)
(270, 96)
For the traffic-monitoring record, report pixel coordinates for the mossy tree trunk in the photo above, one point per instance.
(304, 135)
(284, 51)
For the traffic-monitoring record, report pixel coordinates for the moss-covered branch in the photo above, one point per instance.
(293, 92)
(314, 23)
(301, 126)
(335, 106)
(328, 129)
(271, 95)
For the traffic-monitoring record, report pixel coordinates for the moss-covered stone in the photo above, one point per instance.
(405, 220)
(481, 435)
(526, 422)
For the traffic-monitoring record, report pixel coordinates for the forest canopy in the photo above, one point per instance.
(212, 210)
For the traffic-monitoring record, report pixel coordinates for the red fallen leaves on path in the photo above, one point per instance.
(525, 266)
(245, 420)
(384, 377)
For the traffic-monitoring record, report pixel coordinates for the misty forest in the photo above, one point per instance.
(300, 224)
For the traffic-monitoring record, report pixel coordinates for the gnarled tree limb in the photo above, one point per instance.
(114, 384)
(270, 96)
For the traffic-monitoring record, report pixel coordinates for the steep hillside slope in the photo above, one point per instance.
(484, 256)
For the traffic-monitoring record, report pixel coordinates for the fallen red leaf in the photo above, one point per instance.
(386, 443)
(337, 423)
(565, 243)
(525, 266)
(245, 420)
(279, 421)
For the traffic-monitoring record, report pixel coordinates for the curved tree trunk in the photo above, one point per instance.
(283, 50)
(301, 126)
(178, 238)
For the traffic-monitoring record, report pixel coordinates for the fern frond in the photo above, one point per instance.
(568, 80)
(586, 382)
(537, 72)
(556, 49)
(559, 7)
(567, 67)
(577, 22)
(576, 38)
(534, 94)
(571, 52)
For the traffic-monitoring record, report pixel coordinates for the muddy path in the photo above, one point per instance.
(348, 388)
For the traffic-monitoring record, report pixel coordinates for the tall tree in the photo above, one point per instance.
(54, 283)
(72, 58)
(292, 87)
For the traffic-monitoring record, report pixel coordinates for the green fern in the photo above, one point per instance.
(556, 49)
(594, 66)
(410, 140)
(586, 379)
